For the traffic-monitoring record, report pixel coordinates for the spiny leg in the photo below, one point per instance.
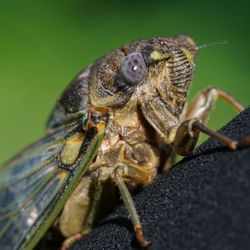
(197, 115)
(127, 199)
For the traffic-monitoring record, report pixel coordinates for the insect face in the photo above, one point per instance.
(158, 72)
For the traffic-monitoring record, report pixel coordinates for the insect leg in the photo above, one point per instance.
(170, 158)
(197, 115)
(230, 143)
(69, 241)
(203, 103)
(127, 199)
(94, 207)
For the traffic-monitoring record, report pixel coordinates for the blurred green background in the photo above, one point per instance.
(44, 44)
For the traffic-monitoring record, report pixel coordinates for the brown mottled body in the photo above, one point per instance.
(137, 94)
(130, 144)
(118, 123)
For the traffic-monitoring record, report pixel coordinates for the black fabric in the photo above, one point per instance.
(203, 203)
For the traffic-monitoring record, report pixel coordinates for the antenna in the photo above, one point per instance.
(212, 44)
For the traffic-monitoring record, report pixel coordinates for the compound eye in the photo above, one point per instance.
(133, 68)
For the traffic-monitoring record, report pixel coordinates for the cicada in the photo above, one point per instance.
(119, 122)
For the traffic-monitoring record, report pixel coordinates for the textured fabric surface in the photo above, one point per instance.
(203, 203)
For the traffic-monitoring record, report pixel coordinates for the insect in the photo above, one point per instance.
(109, 133)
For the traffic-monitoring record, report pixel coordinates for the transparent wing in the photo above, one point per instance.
(29, 185)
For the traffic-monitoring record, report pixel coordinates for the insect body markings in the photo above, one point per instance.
(104, 137)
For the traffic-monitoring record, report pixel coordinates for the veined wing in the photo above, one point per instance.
(33, 188)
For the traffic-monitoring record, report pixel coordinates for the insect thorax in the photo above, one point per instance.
(73, 103)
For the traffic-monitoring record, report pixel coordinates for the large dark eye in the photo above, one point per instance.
(133, 68)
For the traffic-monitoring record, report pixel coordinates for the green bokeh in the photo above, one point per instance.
(44, 44)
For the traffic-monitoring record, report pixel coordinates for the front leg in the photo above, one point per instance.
(202, 105)
(195, 119)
